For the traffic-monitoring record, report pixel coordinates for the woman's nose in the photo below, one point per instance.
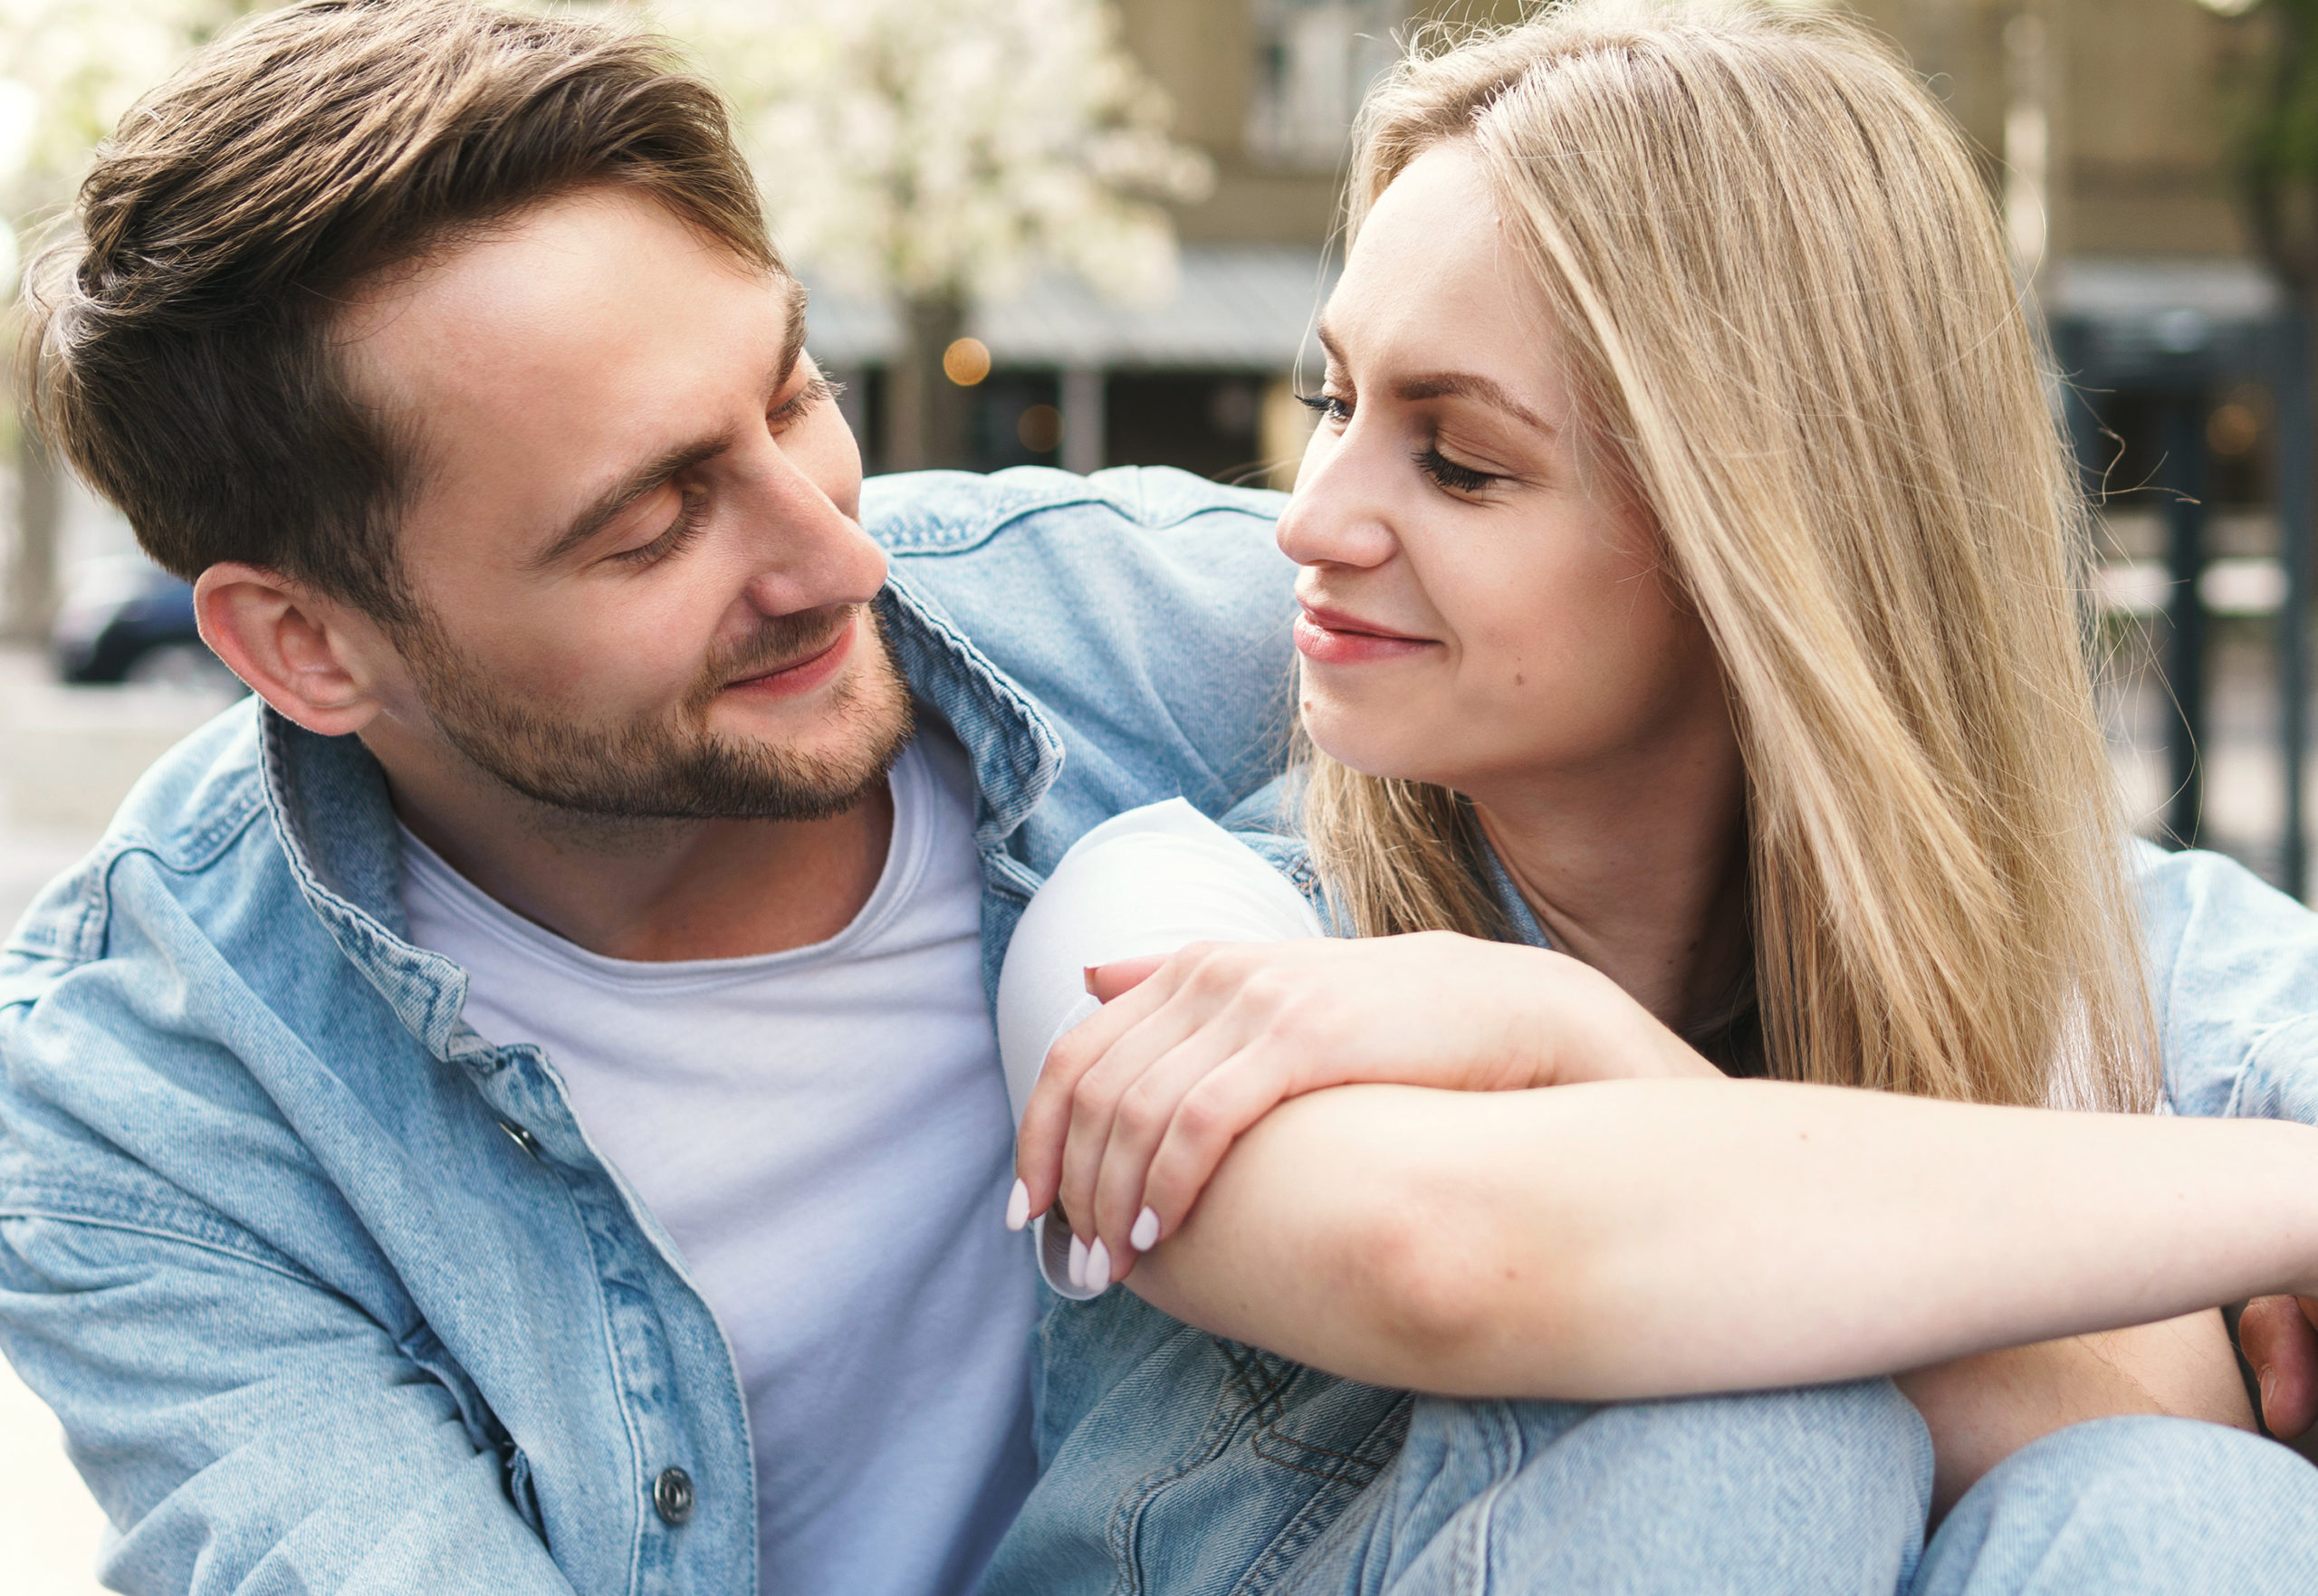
(1337, 515)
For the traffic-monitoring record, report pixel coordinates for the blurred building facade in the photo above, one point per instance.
(2102, 126)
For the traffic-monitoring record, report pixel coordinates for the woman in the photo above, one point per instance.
(1689, 575)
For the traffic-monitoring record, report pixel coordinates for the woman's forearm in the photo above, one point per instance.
(1653, 1237)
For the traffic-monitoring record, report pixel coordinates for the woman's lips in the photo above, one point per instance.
(1330, 637)
(807, 673)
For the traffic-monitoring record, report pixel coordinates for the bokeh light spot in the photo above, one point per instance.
(1041, 429)
(966, 362)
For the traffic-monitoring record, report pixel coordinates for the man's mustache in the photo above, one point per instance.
(782, 641)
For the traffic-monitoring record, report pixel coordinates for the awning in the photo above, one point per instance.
(1236, 308)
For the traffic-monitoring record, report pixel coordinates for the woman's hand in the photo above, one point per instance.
(1138, 1105)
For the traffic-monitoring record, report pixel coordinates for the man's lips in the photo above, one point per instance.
(1331, 638)
(803, 675)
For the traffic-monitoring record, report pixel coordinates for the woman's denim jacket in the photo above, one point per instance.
(1175, 1461)
(331, 1295)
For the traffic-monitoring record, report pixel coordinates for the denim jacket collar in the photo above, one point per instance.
(329, 800)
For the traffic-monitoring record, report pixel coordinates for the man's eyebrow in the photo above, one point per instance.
(683, 457)
(792, 342)
(1467, 385)
(627, 492)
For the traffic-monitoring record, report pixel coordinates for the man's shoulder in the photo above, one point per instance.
(185, 816)
(947, 513)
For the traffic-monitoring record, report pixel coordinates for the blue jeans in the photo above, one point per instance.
(1809, 1491)
(1175, 1463)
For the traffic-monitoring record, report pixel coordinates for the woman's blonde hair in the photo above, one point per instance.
(1788, 317)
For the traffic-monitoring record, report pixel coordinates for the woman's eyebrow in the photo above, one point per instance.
(1467, 385)
(1446, 384)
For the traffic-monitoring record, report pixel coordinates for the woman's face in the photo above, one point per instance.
(1481, 610)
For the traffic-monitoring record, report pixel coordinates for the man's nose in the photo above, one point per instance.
(805, 552)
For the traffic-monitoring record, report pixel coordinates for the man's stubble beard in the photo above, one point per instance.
(670, 766)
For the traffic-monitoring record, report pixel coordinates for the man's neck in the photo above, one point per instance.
(1640, 873)
(654, 890)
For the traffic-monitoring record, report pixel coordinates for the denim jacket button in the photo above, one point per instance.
(672, 1496)
(521, 1137)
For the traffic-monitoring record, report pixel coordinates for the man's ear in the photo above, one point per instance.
(317, 660)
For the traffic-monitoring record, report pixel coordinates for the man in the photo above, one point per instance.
(515, 1108)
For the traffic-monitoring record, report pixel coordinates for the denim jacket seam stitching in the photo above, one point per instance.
(636, 1463)
(1270, 1412)
(997, 697)
(934, 538)
(1124, 1530)
(375, 942)
(2253, 1060)
(83, 941)
(92, 915)
(1298, 1535)
(1140, 513)
(157, 1230)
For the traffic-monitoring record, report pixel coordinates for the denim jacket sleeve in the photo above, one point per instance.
(2233, 975)
(285, 1442)
(246, 1423)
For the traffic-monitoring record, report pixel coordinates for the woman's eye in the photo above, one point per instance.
(1327, 406)
(1459, 478)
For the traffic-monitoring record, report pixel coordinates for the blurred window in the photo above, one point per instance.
(1315, 59)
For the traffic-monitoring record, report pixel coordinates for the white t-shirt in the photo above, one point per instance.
(1145, 882)
(824, 1133)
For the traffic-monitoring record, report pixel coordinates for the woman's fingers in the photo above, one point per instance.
(1096, 1101)
(1122, 976)
(1216, 1112)
(1039, 1140)
(1145, 1110)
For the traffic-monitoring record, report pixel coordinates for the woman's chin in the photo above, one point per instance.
(1388, 747)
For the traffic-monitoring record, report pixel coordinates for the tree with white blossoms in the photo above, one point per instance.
(69, 69)
(941, 151)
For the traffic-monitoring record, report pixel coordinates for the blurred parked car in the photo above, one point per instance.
(125, 619)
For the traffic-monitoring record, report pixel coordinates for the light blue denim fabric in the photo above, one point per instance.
(332, 1297)
(1176, 1463)
(2122, 1507)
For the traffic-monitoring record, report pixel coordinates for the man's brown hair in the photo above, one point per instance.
(179, 350)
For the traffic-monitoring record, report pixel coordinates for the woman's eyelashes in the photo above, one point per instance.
(1444, 472)
(1456, 478)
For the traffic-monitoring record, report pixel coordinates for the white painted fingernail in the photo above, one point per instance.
(1099, 1267)
(1018, 1207)
(1077, 1270)
(1145, 1232)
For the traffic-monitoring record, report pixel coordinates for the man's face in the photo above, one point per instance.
(641, 584)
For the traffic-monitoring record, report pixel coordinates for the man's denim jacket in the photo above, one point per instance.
(330, 1294)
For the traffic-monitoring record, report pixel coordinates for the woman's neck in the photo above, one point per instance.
(1641, 873)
